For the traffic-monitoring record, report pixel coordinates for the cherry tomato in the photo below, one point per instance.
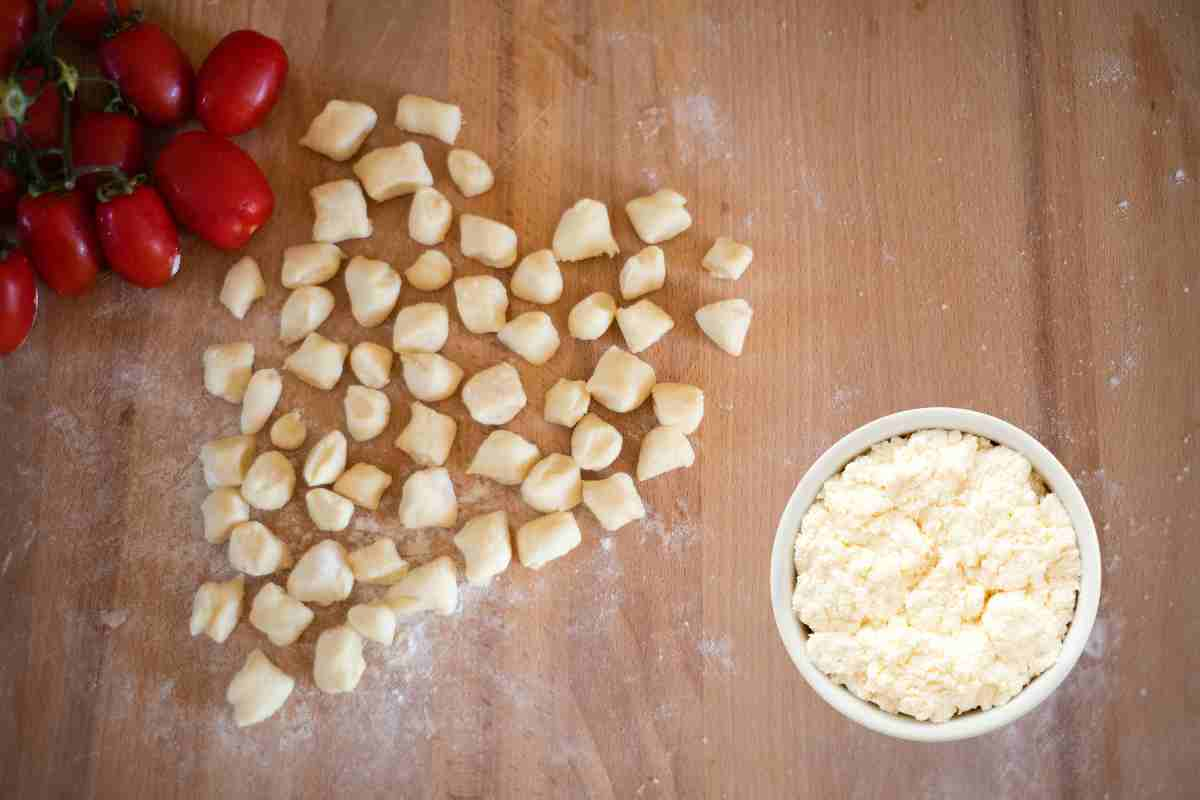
(87, 19)
(60, 237)
(11, 188)
(43, 117)
(18, 300)
(213, 188)
(153, 72)
(18, 18)
(107, 138)
(139, 237)
(239, 82)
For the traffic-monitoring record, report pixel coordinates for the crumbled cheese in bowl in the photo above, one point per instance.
(936, 575)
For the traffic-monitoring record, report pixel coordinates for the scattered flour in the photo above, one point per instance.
(717, 655)
(114, 618)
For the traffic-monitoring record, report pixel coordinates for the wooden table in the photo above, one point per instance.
(989, 205)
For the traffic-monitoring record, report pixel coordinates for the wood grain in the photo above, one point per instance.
(990, 205)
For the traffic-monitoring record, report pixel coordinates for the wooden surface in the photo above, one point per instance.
(991, 205)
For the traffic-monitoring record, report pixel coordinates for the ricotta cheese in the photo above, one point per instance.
(936, 575)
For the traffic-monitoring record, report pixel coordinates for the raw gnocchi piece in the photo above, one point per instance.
(591, 316)
(388, 172)
(595, 444)
(482, 303)
(318, 361)
(485, 546)
(322, 575)
(227, 370)
(429, 117)
(429, 376)
(258, 690)
(621, 382)
(340, 129)
(642, 324)
(303, 312)
(373, 287)
(470, 173)
(727, 259)
(429, 216)
(226, 461)
(487, 241)
(222, 510)
(255, 550)
(531, 336)
(428, 436)
(614, 501)
(643, 273)
(660, 216)
(421, 328)
(217, 607)
(259, 400)
(281, 617)
(340, 210)
(495, 395)
(310, 264)
(726, 322)
(663, 449)
(566, 402)
(338, 665)
(378, 563)
(544, 539)
(428, 500)
(243, 285)
(269, 482)
(328, 510)
(327, 460)
(553, 484)
(367, 412)
(372, 364)
(364, 484)
(504, 457)
(289, 431)
(374, 621)
(433, 586)
(538, 278)
(430, 272)
(678, 405)
(584, 232)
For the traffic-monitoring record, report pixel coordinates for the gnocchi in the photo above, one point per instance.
(470, 173)
(538, 278)
(243, 285)
(227, 370)
(258, 690)
(306, 308)
(727, 259)
(310, 264)
(429, 117)
(663, 449)
(374, 621)
(485, 546)
(430, 272)
(428, 437)
(217, 607)
(388, 172)
(364, 484)
(660, 216)
(338, 665)
(328, 510)
(614, 501)
(255, 550)
(341, 212)
(318, 361)
(269, 482)
(566, 402)
(340, 129)
(726, 322)
(595, 444)
(678, 405)
(222, 510)
(430, 377)
(371, 364)
(326, 461)
(621, 382)
(367, 412)
(495, 395)
(592, 316)
(482, 303)
(373, 287)
(226, 461)
(553, 484)
(280, 617)
(531, 336)
(322, 575)
(547, 538)
(428, 500)
(421, 328)
(643, 273)
(378, 563)
(487, 241)
(260, 398)
(584, 232)
(289, 431)
(429, 216)
(433, 586)
(642, 324)
(504, 457)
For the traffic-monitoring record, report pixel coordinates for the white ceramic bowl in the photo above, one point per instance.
(783, 572)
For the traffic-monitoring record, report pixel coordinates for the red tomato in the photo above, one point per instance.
(18, 300)
(107, 138)
(18, 18)
(139, 237)
(153, 72)
(11, 188)
(213, 188)
(61, 239)
(43, 117)
(87, 19)
(239, 82)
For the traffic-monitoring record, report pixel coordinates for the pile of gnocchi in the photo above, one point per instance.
(242, 480)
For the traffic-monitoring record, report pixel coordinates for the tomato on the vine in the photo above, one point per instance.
(18, 299)
(139, 237)
(18, 19)
(239, 82)
(107, 138)
(58, 232)
(11, 188)
(87, 19)
(152, 71)
(44, 115)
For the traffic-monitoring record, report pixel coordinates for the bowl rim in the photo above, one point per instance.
(858, 441)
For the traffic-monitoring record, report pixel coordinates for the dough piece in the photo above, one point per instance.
(364, 484)
(595, 444)
(340, 210)
(327, 460)
(429, 216)
(487, 241)
(255, 550)
(566, 402)
(531, 336)
(260, 398)
(428, 500)
(726, 323)
(388, 172)
(338, 665)
(374, 621)
(591, 316)
(328, 510)
(482, 303)
(495, 395)
(678, 405)
(727, 259)
(428, 436)
(421, 328)
(544, 539)
(660, 216)
(223, 509)
(621, 382)
(430, 272)
(485, 546)
(537, 278)
(372, 364)
(310, 264)
(553, 484)
(374, 288)
(584, 232)
(504, 457)
(303, 312)
(279, 615)
(470, 173)
(430, 377)
(318, 361)
(243, 285)
(429, 117)
(378, 563)
(269, 484)
(433, 586)
(322, 575)
(643, 273)
(340, 129)
(217, 607)
(227, 370)
(367, 412)
(226, 461)
(614, 501)
(663, 449)
(258, 690)
(642, 324)
(289, 431)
